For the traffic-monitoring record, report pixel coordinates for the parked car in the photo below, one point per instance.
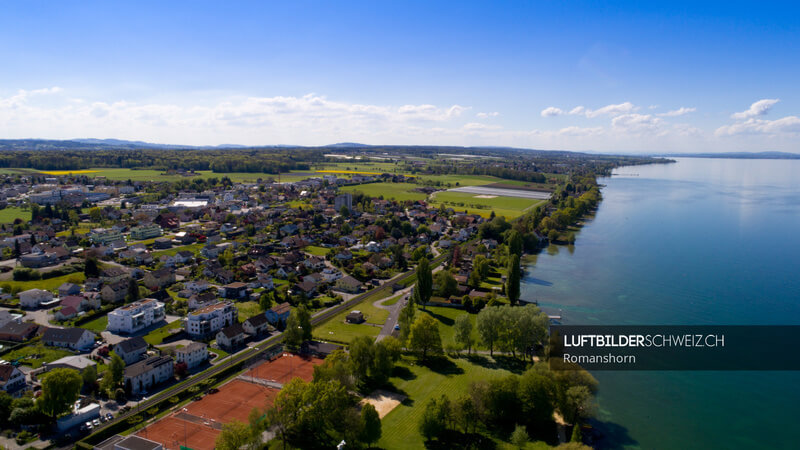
(88, 425)
(109, 416)
(397, 327)
(96, 422)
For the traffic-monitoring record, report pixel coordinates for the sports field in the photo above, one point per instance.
(199, 423)
(284, 368)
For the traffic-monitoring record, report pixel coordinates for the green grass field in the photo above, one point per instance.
(37, 354)
(247, 310)
(447, 317)
(420, 384)
(97, 325)
(156, 336)
(397, 191)
(314, 250)
(194, 248)
(7, 215)
(510, 207)
(50, 284)
(336, 329)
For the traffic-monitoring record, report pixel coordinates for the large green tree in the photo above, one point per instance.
(60, 389)
(463, 332)
(294, 332)
(424, 281)
(424, 337)
(406, 318)
(512, 282)
(370, 425)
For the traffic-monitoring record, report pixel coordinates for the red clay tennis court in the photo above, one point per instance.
(234, 400)
(172, 433)
(286, 367)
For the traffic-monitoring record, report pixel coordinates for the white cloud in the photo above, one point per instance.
(678, 112)
(486, 115)
(579, 131)
(578, 110)
(476, 126)
(785, 125)
(758, 108)
(612, 110)
(638, 124)
(551, 111)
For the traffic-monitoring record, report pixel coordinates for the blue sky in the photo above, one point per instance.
(628, 76)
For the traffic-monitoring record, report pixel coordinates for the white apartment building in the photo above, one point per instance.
(206, 321)
(148, 231)
(105, 236)
(193, 354)
(135, 316)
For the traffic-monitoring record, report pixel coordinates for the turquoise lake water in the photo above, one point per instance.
(701, 241)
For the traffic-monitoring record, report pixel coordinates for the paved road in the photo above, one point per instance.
(394, 313)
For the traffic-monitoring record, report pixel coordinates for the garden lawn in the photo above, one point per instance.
(389, 191)
(37, 354)
(194, 248)
(400, 426)
(97, 325)
(156, 336)
(337, 330)
(315, 250)
(7, 215)
(50, 284)
(247, 310)
(446, 318)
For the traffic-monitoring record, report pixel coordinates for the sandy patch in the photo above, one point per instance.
(485, 196)
(383, 401)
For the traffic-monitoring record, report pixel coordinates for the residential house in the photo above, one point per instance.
(32, 298)
(131, 350)
(236, 290)
(136, 316)
(256, 325)
(113, 275)
(18, 332)
(114, 292)
(197, 286)
(12, 380)
(160, 278)
(74, 362)
(206, 321)
(231, 337)
(278, 313)
(348, 284)
(202, 299)
(71, 338)
(193, 354)
(68, 289)
(141, 376)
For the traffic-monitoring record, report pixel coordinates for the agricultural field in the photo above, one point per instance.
(7, 215)
(123, 174)
(510, 207)
(397, 191)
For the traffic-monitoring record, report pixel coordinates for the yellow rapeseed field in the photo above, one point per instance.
(356, 172)
(67, 172)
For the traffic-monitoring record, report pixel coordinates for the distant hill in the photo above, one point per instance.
(739, 155)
